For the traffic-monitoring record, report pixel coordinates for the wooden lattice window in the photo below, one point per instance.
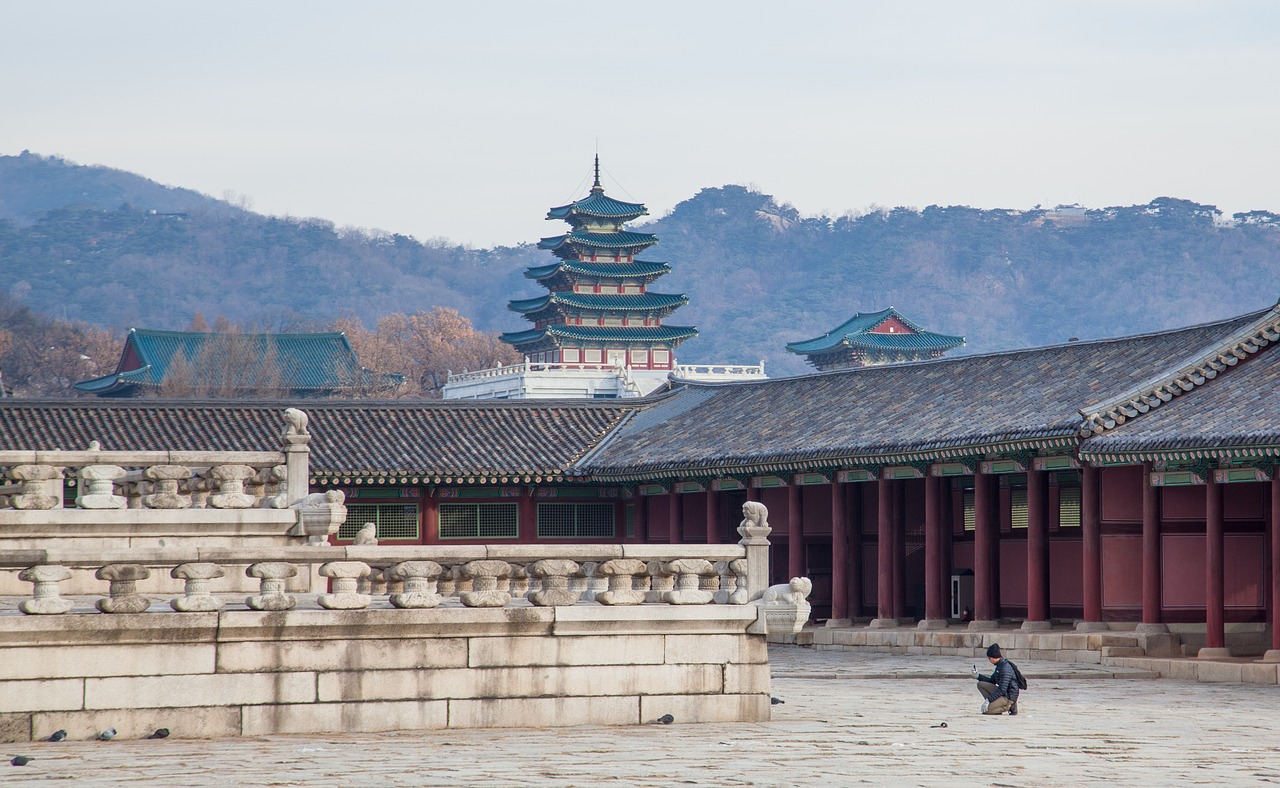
(575, 520)
(479, 520)
(397, 521)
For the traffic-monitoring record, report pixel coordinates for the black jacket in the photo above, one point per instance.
(1005, 680)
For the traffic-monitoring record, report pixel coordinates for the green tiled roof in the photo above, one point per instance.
(597, 204)
(643, 334)
(640, 302)
(633, 270)
(618, 240)
(856, 332)
(316, 361)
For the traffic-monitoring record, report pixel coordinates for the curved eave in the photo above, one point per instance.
(619, 240)
(116, 381)
(638, 270)
(927, 341)
(1056, 439)
(598, 206)
(647, 335)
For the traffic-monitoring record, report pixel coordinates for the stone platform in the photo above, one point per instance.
(1159, 654)
(875, 719)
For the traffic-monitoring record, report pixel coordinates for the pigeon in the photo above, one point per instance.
(58, 735)
(160, 733)
(20, 760)
(939, 725)
(776, 701)
(108, 734)
(666, 719)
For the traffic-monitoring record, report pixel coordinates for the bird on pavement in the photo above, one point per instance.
(20, 760)
(58, 735)
(776, 701)
(160, 733)
(666, 719)
(108, 734)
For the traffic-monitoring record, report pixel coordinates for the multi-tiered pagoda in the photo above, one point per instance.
(599, 312)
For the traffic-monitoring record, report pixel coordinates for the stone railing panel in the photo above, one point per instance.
(196, 598)
(555, 574)
(419, 579)
(124, 596)
(165, 482)
(46, 599)
(97, 487)
(621, 574)
(34, 491)
(345, 576)
(274, 575)
(484, 577)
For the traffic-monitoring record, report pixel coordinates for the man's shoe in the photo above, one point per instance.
(1013, 710)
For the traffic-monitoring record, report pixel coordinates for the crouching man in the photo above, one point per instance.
(999, 690)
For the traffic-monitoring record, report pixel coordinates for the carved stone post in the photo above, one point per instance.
(97, 487)
(271, 596)
(621, 574)
(165, 480)
(345, 576)
(46, 599)
(230, 480)
(733, 582)
(197, 598)
(484, 578)
(518, 584)
(419, 578)
(275, 495)
(296, 440)
(35, 487)
(124, 588)
(754, 531)
(660, 581)
(555, 574)
(688, 572)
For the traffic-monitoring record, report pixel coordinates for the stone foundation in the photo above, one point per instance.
(248, 673)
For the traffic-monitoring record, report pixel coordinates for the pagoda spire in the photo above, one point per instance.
(596, 187)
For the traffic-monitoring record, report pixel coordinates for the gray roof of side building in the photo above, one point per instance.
(924, 410)
(348, 437)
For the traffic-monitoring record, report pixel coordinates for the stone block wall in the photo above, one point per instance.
(247, 673)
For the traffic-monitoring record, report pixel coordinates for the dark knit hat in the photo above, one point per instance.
(993, 651)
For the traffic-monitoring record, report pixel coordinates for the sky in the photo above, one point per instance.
(466, 121)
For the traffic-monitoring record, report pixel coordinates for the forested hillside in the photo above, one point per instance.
(758, 274)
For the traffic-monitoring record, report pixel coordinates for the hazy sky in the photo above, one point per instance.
(468, 120)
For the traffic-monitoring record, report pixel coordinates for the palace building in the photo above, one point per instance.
(1119, 480)
(883, 337)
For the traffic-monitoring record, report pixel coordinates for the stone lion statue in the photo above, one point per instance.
(754, 514)
(793, 593)
(367, 535)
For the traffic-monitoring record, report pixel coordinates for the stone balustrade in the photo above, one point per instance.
(403, 577)
(106, 480)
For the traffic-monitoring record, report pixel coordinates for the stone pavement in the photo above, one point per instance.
(872, 719)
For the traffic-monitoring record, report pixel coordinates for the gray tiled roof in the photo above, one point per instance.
(908, 409)
(347, 437)
(1237, 410)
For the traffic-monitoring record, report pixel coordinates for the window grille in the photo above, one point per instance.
(969, 522)
(1068, 507)
(479, 520)
(575, 520)
(394, 520)
(1018, 507)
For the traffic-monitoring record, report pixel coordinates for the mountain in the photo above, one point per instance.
(116, 250)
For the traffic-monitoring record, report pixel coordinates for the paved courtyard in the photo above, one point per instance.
(848, 719)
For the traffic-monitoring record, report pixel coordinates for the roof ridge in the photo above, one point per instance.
(1195, 369)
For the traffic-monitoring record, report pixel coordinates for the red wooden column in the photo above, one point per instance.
(884, 555)
(935, 614)
(1151, 569)
(985, 534)
(795, 531)
(899, 549)
(642, 517)
(1214, 609)
(839, 557)
(753, 492)
(1091, 532)
(853, 578)
(713, 527)
(1037, 551)
(675, 516)
(1274, 526)
(528, 522)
